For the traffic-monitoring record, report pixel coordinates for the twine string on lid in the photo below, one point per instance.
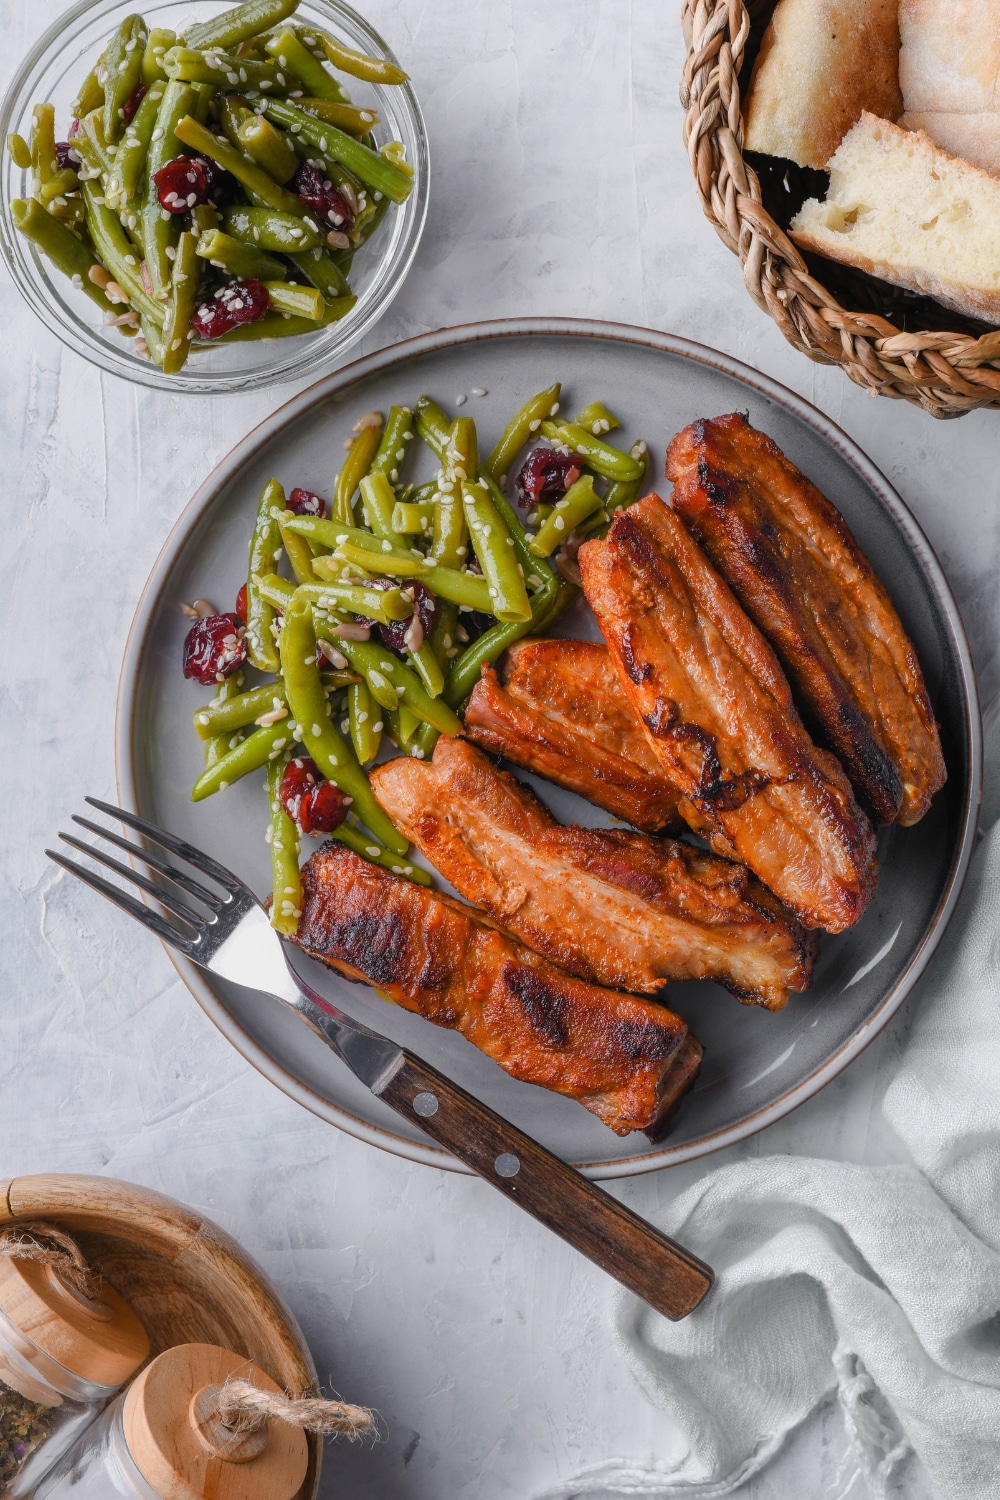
(50, 1246)
(243, 1410)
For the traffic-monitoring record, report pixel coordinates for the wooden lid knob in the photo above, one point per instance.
(97, 1339)
(177, 1446)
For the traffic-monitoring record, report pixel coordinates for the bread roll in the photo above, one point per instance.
(976, 138)
(949, 59)
(904, 210)
(821, 63)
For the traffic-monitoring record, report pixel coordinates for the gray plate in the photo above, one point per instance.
(757, 1066)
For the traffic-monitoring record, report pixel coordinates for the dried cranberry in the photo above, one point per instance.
(305, 503)
(241, 603)
(322, 197)
(187, 181)
(66, 156)
(214, 648)
(133, 101)
(394, 634)
(314, 805)
(546, 476)
(238, 302)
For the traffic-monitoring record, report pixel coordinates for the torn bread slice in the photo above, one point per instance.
(902, 209)
(822, 62)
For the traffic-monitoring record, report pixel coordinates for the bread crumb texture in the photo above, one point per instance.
(821, 63)
(904, 210)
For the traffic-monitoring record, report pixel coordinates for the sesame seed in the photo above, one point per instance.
(460, 400)
(373, 850)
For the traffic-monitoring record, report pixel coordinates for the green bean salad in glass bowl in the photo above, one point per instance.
(394, 596)
(211, 203)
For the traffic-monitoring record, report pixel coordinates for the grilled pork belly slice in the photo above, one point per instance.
(719, 714)
(627, 1060)
(556, 708)
(615, 907)
(792, 562)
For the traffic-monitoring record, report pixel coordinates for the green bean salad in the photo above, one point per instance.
(214, 186)
(392, 599)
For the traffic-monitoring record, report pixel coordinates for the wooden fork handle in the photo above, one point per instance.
(663, 1273)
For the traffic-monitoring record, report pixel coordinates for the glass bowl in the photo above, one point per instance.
(53, 71)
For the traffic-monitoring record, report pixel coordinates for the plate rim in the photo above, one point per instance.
(499, 328)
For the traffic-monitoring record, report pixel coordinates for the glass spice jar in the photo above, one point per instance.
(63, 1356)
(162, 1439)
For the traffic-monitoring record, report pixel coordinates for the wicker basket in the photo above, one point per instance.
(891, 342)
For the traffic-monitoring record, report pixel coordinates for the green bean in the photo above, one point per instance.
(432, 425)
(357, 64)
(414, 519)
(123, 73)
(249, 755)
(461, 453)
(276, 325)
(406, 725)
(378, 665)
(265, 549)
(322, 739)
(377, 501)
(381, 689)
(43, 144)
(535, 569)
(183, 297)
(232, 114)
(357, 122)
(60, 245)
(358, 555)
(375, 854)
(20, 151)
(64, 181)
(299, 301)
(375, 172)
(152, 334)
(237, 259)
(353, 470)
(290, 53)
(520, 430)
(205, 93)
(247, 172)
(493, 546)
(462, 588)
(221, 742)
(90, 97)
(284, 842)
(158, 42)
(450, 534)
(229, 711)
(428, 668)
(443, 631)
(596, 418)
(217, 71)
(318, 268)
(133, 151)
(268, 229)
(269, 147)
(424, 741)
(299, 555)
(363, 717)
(239, 24)
(579, 502)
(117, 255)
(385, 605)
(602, 458)
(275, 590)
(160, 230)
(622, 492)
(391, 452)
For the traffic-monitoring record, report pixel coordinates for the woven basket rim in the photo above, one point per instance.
(946, 373)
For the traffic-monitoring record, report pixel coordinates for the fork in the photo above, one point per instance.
(227, 931)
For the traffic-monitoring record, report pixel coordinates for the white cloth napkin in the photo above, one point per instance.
(882, 1283)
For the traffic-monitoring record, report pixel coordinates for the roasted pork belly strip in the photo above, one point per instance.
(792, 562)
(719, 714)
(611, 906)
(556, 708)
(625, 1059)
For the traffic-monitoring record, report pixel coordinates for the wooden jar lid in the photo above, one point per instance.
(98, 1340)
(165, 1437)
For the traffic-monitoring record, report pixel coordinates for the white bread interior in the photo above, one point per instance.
(949, 58)
(975, 138)
(904, 210)
(822, 62)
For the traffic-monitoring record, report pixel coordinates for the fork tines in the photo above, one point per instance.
(234, 898)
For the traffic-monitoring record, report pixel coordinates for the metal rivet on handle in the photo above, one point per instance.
(507, 1164)
(425, 1105)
